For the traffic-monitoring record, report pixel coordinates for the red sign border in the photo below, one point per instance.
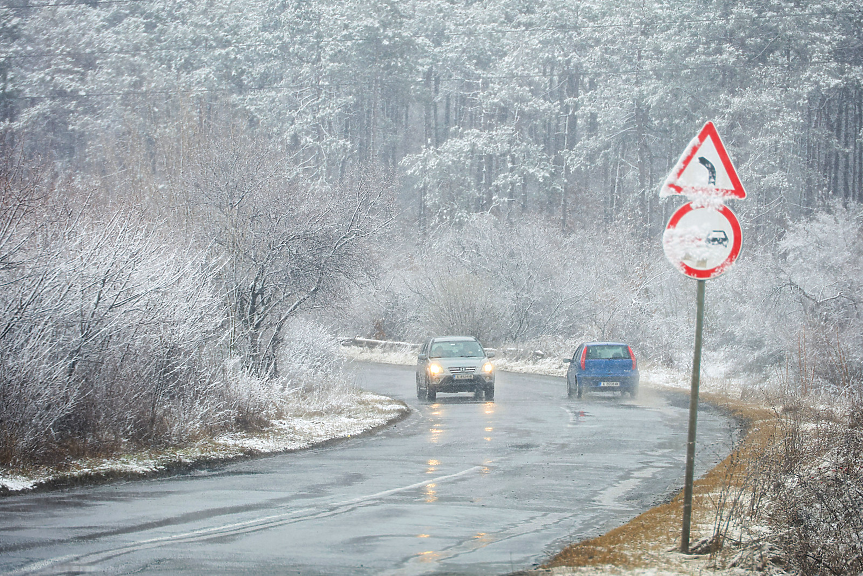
(709, 130)
(735, 246)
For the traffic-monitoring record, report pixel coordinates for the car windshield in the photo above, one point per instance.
(470, 349)
(608, 352)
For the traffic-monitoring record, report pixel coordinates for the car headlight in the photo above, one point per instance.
(488, 368)
(435, 369)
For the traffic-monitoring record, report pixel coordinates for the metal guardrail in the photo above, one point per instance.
(372, 343)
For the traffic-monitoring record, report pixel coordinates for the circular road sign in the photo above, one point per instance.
(702, 242)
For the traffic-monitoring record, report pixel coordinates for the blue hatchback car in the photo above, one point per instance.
(602, 367)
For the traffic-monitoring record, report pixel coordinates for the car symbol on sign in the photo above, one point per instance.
(717, 237)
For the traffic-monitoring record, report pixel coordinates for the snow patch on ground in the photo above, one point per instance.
(17, 483)
(403, 357)
(296, 432)
(713, 379)
(547, 366)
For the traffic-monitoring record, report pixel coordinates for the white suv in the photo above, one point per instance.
(454, 364)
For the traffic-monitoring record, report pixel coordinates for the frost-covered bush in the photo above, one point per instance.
(460, 303)
(106, 337)
(107, 327)
(309, 379)
(114, 334)
(307, 353)
(803, 494)
(788, 312)
(822, 275)
(311, 370)
(251, 400)
(816, 513)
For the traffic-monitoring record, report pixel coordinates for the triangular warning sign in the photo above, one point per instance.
(704, 169)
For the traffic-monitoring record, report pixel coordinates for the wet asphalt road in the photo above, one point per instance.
(459, 487)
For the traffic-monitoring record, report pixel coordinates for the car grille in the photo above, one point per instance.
(462, 369)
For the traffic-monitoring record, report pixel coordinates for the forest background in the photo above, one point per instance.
(199, 197)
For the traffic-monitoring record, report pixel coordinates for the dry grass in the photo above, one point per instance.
(651, 539)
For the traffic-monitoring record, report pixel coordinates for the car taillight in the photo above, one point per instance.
(583, 357)
(632, 355)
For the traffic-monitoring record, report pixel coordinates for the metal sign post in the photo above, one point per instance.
(693, 419)
(702, 240)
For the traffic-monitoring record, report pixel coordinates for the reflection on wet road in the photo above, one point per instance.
(459, 487)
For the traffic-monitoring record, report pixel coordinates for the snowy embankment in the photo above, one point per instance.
(359, 412)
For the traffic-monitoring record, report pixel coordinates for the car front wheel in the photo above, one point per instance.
(489, 393)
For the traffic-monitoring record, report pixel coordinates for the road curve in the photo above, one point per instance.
(459, 487)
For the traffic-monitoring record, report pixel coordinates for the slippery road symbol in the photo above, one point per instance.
(711, 169)
(689, 177)
(717, 238)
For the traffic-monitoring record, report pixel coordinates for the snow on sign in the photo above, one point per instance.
(704, 169)
(702, 242)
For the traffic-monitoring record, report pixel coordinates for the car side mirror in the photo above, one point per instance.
(423, 357)
(489, 354)
(567, 360)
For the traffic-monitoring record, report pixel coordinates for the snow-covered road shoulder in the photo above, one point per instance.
(369, 412)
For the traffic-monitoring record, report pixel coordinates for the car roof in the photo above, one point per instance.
(455, 339)
(606, 344)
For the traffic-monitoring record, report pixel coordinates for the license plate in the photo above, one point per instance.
(609, 384)
(462, 377)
